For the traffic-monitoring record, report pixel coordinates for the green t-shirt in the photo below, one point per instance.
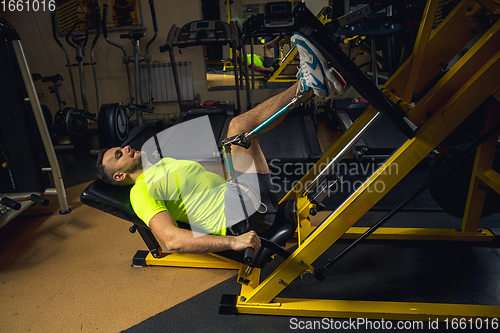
(185, 189)
(257, 60)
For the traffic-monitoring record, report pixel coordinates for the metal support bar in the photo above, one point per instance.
(425, 312)
(252, 63)
(431, 234)
(42, 127)
(482, 164)
(236, 78)
(490, 178)
(284, 63)
(244, 71)
(147, 236)
(424, 32)
(356, 137)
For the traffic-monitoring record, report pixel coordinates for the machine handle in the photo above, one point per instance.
(10, 203)
(155, 25)
(148, 59)
(248, 256)
(73, 28)
(170, 39)
(36, 76)
(104, 26)
(153, 15)
(105, 31)
(39, 200)
(98, 25)
(54, 33)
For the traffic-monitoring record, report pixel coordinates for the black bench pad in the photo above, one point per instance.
(111, 199)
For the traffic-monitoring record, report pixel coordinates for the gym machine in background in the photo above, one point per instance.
(113, 119)
(197, 33)
(75, 122)
(296, 141)
(22, 132)
(383, 139)
(59, 127)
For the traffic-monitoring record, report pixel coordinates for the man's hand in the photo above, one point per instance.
(263, 70)
(249, 239)
(183, 241)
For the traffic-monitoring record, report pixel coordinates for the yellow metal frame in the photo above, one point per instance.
(470, 82)
(209, 260)
(227, 64)
(284, 63)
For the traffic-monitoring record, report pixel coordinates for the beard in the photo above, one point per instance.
(134, 166)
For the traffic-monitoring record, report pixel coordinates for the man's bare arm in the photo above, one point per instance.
(263, 69)
(184, 241)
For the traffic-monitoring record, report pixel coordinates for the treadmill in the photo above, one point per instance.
(205, 32)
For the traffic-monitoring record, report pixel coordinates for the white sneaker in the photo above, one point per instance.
(314, 69)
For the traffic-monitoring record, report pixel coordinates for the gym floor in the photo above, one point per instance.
(67, 273)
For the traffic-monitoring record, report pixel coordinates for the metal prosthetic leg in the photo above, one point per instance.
(244, 140)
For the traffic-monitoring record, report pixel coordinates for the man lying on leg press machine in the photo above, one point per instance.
(124, 166)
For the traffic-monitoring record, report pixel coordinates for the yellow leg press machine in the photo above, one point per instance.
(473, 81)
(425, 112)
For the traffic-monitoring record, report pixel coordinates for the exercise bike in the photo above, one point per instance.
(58, 126)
(113, 119)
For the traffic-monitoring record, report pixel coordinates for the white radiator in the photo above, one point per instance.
(163, 82)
